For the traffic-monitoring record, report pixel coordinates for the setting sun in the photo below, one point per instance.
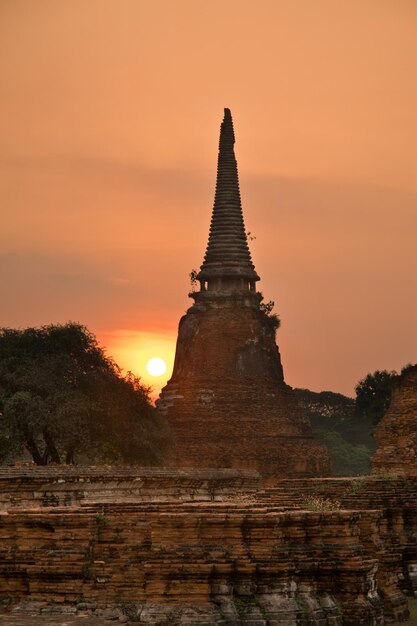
(156, 366)
(133, 350)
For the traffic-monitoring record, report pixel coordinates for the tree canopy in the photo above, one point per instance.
(373, 394)
(346, 433)
(62, 399)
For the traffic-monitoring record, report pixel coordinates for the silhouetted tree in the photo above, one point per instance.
(373, 394)
(61, 397)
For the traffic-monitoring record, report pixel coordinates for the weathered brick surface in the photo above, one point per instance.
(227, 403)
(253, 558)
(82, 485)
(396, 434)
(394, 497)
(239, 559)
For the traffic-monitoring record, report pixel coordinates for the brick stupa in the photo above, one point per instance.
(227, 402)
(396, 433)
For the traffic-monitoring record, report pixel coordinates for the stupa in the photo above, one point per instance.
(227, 403)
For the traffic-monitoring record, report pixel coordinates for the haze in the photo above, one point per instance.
(110, 113)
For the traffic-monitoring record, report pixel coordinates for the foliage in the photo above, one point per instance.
(412, 605)
(373, 394)
(347, 459)
(357, 485)
(61, 397)
(101, 518)
(334, 412)
(346, 424)
(317, 503)
(346, 433)
(193, 279)
(243, 603)
(267, 308)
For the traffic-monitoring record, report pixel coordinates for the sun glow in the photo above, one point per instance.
(133, 350)
(156, 366)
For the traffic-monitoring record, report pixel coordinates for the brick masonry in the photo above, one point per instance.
(257, 557)
(227, 403)
(396, 434)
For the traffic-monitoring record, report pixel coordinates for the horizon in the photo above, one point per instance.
(110, 119)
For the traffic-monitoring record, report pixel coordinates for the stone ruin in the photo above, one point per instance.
(396, 433)
(227, 403)
(204, 547)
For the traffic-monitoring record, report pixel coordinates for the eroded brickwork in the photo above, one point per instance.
(198, 555)
(63, 485)
(396, 434)
(227, 403)
(258, 556)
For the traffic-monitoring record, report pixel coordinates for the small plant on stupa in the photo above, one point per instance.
(193, 280)
(267, 308)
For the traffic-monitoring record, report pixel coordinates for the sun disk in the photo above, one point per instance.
(156, 367)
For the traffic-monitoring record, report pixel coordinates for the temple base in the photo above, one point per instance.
(227, 403)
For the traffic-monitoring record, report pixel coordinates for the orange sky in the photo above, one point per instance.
(110, 113)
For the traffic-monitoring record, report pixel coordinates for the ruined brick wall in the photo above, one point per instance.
(228, 560)
(64, 485)
(396, 434)
(394, 497)
(227, 403)
(255, 554)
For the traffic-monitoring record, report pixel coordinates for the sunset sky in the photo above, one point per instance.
(110, 114)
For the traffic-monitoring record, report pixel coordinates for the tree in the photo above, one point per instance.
(373, 394)
(346, 433)
(62, 398)
(347, 459)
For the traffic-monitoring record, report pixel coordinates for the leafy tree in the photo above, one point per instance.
(347, 434)
(373, 394)
(62, 398)
(347, 459)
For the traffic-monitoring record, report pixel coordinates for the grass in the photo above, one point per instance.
(412, 605)
(317, 503)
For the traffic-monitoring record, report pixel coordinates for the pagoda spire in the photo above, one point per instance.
(227, 263)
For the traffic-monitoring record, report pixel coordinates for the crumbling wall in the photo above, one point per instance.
(227, 403)
(320, 551)
(235, 561)
(65, 485)
(396, 434)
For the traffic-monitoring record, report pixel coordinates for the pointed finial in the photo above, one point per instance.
(227, 135)
(227, 253)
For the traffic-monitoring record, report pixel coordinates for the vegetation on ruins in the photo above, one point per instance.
(62, 399)
(318, 503)
(193, 279)
(267, 309)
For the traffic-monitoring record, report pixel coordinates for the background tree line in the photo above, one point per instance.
(346, 424)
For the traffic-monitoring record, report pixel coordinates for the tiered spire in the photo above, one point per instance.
(227, 253)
